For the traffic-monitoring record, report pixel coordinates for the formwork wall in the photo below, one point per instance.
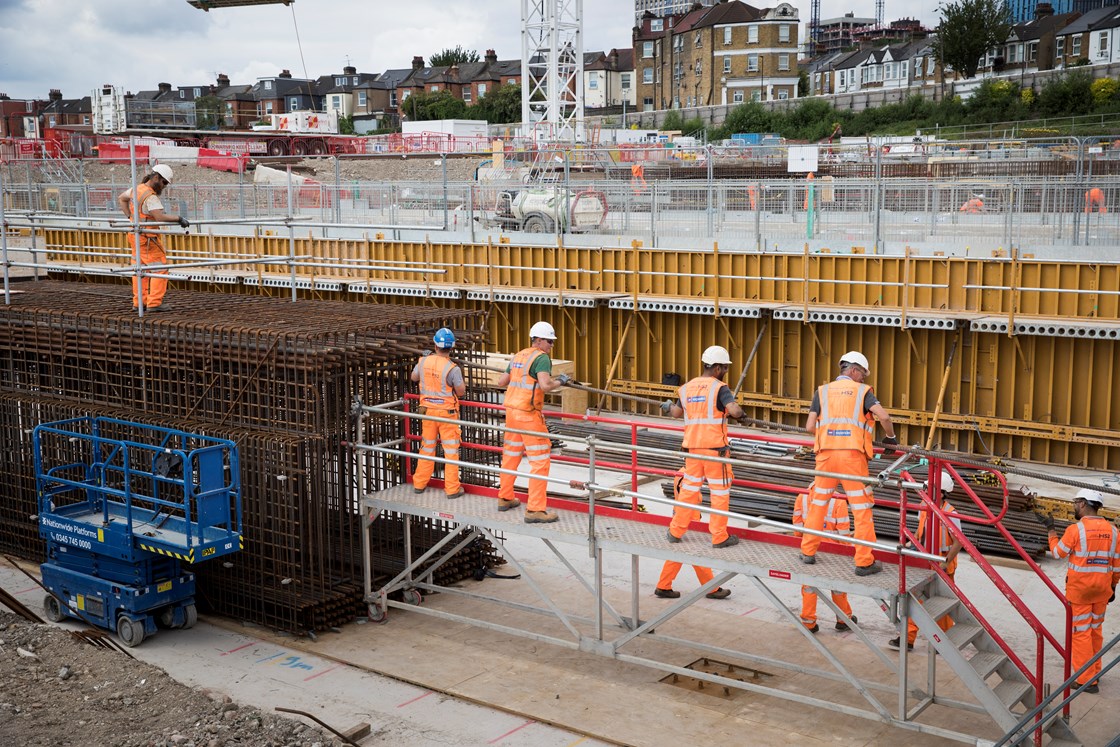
(277, 379)
(1032, 376)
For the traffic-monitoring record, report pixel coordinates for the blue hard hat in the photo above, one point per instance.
(445, 338)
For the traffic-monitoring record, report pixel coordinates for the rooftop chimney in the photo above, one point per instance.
(1043, 10)
(165, 88)
(223, 80)
(417, 62)
(491, 55)
(349, 70)
(55, 95)
(5, 97)
(285, 73)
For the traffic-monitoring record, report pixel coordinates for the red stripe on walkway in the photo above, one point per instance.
(511, 731)
(755, 609)
(320, 674)
(418, 697)
(232, 650)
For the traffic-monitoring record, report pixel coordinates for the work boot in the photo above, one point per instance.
(1092, 689)
(808, 559)
(666, 593)
(719, 593)
(504, 505)
(156, 309)
(457, 493)
(897, 642)
(869, 570)
(540, 517)
(670, 537)
(419, 490)
(731, 540)
(813, 629)
(843, 627)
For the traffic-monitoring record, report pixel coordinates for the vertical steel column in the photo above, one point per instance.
(34, 247)
(652, 217)
(337, 191)
(138, 279)
(443, 166)
(4, 244)
(757, 215)
(567, 193)
(711, 216)
(877, 197)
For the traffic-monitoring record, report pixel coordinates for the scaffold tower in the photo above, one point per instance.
(552, 65)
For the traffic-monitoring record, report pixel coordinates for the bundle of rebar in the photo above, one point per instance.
(1020, 521)
(278, 378)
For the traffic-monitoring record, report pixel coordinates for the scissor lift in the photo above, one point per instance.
(122, 506)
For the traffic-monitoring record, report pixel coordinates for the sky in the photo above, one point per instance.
(78, 45)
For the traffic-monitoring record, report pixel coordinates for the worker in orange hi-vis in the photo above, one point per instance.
(705, 404)
(527, 380)
(637, 177)
(837, 522)
(1091, 577)
(810, 177)
(974, 204)
(671, 568)
(441, 387)
(153, 288)
(842, 419)
(947, 544)
(1094, 199)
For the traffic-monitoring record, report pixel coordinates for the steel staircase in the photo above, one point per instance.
(982, 665)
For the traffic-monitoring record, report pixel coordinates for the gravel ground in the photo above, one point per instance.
(58, 691)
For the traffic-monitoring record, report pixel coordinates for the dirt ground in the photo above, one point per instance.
(59, 691)
(365, 169)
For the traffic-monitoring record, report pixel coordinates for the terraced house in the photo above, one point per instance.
(728, 53)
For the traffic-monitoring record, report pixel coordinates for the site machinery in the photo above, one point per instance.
(122, 506)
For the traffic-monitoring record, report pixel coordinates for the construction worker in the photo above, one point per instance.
(441, 386)
(842, 418)
(671, 568)
(835, 521)
(1094, 199)
(705, 403)
(527, 380)
(974, 204)
(1091, 578)
(949, 565)
(151, 289)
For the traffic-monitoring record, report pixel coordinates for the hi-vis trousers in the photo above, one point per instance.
(860, 500)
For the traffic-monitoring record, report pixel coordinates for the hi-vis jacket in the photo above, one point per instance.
(843, 424)
(523, 392)
(705, 427)
(1094, 565)
(435, 392)
(143, 192)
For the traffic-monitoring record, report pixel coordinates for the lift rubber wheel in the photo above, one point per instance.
(413, 597)
(376, 614)
(167, 617)
(534, 224)
(131, 633)
(192, 616)
(52, 609)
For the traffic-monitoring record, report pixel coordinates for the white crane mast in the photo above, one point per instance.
(552, 69)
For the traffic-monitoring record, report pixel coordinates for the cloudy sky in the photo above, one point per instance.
(77, 45)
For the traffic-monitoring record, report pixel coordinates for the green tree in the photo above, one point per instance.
(457, 56)
(968, 29)
(673, 121)
(500, 106)
(1070, 95)
(345, 125)
(421, 107)
(209, 112)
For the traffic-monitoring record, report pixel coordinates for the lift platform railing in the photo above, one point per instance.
(149, 476)
(937, 519)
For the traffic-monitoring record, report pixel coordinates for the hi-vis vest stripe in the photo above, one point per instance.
(705, 427)
(434, 389)
(1095, 556)
(523, 392)
(143, 192)
(842, 423)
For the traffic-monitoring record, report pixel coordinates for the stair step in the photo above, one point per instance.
(987, 662)
(963, 634)
(1012, 692)
(938, 607)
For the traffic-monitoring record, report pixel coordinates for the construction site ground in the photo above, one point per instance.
(420, 680)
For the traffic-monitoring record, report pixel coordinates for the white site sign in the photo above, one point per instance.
(802, 158)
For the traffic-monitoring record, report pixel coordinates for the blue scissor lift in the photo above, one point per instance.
(121, 506)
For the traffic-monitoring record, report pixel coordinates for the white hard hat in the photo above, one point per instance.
(946, 482)
(543, 330)
(1090, 496)
(715, 354)
(858, 358)
(165, 171)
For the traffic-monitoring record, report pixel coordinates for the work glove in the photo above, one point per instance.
(184, 223)
(667, 406)
(1047, 521)
(889, 443)
(565, 380)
